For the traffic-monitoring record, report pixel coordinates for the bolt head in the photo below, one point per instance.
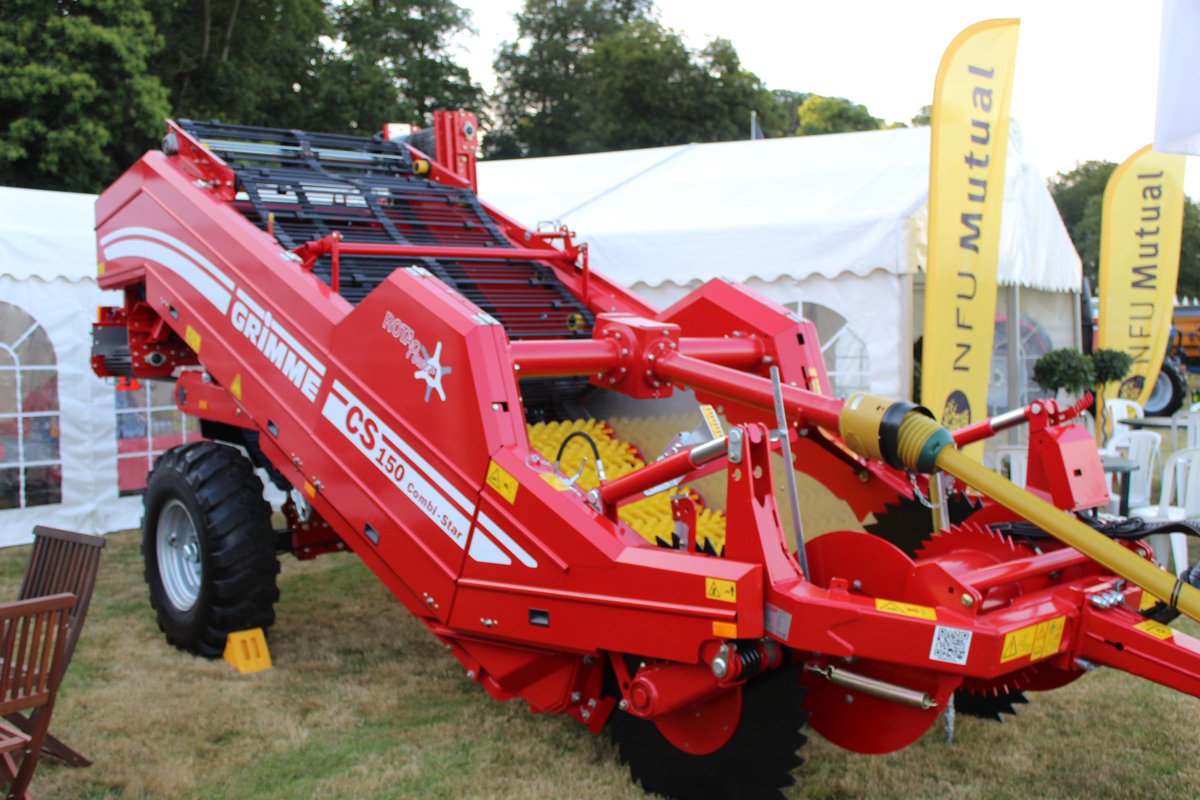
(470, 674)
(967, 600)
(623, 705)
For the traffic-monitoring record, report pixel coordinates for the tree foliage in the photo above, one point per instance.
(540, 74)
(302, 64)
(589, 75)
(1079, 195)
(819, 114)
(77, 101)
(238, 60)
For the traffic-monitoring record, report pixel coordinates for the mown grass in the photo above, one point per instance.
(364, 703)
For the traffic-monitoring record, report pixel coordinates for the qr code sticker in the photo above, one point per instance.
(951, 645)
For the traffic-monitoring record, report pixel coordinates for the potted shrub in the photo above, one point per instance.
(1066, 370)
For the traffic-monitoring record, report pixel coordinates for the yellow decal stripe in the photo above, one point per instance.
(905, 609)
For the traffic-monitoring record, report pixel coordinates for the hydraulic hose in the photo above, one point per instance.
(907, 437)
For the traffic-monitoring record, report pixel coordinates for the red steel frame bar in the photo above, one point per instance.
(311, 251)
(752, 390)
(1019, 569)
(558, 357)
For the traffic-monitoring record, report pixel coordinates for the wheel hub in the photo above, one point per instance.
(179, 555)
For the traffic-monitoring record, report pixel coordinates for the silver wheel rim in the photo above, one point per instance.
(178, 555)
(1160, 395)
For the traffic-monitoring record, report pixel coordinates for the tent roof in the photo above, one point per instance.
(47, 234)
(799, 206)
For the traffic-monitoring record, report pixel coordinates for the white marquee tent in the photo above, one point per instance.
(73, 451)
(833, 224)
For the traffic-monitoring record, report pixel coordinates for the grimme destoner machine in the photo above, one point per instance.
(427, 379)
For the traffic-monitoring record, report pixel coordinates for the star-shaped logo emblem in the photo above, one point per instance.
(433, 372)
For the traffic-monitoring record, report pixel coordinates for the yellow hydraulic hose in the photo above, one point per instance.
(908, 437)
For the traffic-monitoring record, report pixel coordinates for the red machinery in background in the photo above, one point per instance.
(351, 317)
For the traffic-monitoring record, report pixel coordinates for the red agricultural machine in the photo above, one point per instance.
(426, 378)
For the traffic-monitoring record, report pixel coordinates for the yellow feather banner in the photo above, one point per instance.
(1139, 263)
(966, 193)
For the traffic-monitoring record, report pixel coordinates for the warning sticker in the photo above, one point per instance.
(951, 645)
(1147, 601)
(905, 609)
(502, 481)
(1036, 641)
(192, 337)
(717, 589)
(1156, 629)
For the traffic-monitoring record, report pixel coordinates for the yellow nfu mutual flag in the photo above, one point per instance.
(966, 193)
(1139, 263)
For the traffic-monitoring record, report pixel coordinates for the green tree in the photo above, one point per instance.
(819, 114)
(1079, 196)
(406, 45)
(923, 117)
(77, 102)
(245, 61)
(644, 88)
(539, 73)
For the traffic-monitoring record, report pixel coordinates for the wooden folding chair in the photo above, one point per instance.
(61, 561)
(33, 649)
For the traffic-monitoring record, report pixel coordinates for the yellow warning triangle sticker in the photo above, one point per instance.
(236, 386)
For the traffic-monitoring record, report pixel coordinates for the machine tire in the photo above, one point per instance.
(1170, 390)
(212, 571)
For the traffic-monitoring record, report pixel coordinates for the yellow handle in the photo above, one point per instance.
(1064, 527)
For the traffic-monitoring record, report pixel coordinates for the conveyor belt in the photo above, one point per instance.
(365, 189)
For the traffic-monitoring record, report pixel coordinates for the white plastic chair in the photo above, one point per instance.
(1142, 448)
(1179, 499)
(1193, 425)
(1119, 410)
(1016, 457)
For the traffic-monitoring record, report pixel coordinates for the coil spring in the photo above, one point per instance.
(751, 657)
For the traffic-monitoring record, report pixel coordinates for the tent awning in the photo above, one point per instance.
(47, 235)
(816, 205)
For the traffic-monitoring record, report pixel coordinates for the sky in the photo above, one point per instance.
(1086, 77)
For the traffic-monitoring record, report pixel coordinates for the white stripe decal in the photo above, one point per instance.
(395, 458)
(317, 365)
(485, 550)
(507, 540)
(204, 283)
(367, 433)
(183, 247)
(412, 455)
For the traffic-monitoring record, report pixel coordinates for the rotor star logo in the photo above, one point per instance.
(432, 372)
(429, 367)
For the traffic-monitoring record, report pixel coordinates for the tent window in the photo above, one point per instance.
(846, 358)
(147, 424)
(30, 456)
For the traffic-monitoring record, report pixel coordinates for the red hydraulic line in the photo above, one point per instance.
(1021, 568)
(989, 427)
(555, 357)
(661, 471)
(749, 389)
(739, 353)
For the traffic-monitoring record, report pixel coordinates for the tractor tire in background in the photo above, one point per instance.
(1169, 392)
(208, 547)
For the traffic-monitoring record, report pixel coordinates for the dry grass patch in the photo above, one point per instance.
(364, 703)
